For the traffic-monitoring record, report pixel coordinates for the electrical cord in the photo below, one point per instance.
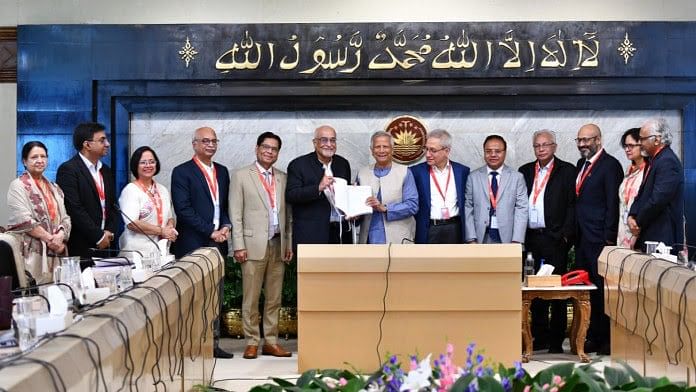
(682, 319)
(97, 363)
(187, 325)
(384, 304)
(125, 338)
(149, 334)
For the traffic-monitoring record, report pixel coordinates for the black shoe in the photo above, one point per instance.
(539, 345)
(222, 354)
(555, 350)
(591, 346)
(604, 349)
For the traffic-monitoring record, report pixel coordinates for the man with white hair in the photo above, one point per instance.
(657, 214)
(550, 230)
(394, 200)
(310, 188)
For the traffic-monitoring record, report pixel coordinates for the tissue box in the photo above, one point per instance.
(543, 281)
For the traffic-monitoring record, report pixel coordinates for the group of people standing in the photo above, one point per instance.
(549, 205)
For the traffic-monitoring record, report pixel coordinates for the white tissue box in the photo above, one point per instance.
(141, 275)
(50, 323)
(96, 295)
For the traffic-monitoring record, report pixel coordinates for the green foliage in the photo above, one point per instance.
(232, 287)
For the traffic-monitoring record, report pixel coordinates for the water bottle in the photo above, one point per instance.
(528, 266)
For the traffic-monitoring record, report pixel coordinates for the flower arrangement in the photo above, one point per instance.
(477, 374)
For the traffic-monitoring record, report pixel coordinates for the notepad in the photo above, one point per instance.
(350, 199)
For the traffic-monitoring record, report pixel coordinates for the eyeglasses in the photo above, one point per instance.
(493, 152)
(325, 140)
(644, 138)
(150, 162)
(433, 150)
(630, 146)
(101, 140)
(543, 145)
(585, 140)
(266, 147)
(207, 141)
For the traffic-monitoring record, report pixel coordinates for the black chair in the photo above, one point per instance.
(11, 260)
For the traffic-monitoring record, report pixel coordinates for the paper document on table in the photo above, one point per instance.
(350, 199)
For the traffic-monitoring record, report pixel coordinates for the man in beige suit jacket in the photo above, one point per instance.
(262, 241)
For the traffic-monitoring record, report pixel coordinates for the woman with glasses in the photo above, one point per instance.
(630, 185)
(37, 213)
(146, 206)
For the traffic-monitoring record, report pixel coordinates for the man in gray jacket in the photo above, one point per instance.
(495, 199)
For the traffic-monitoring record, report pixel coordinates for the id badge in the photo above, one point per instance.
(444, 211)
(275, 217)
(625, 217)
(494, 222)
(534, 215)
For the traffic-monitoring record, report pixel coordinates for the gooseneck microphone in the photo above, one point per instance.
(140, 229)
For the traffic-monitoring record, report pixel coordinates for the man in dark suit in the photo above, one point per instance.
(309, 190)
(657, 214)
(597, 214)
(89, 191)
(200, 189)
(550, 230)
(440, 183)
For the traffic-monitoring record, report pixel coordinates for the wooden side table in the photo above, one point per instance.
(580, 298)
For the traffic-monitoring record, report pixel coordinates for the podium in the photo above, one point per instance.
(422, 296)
(652, 306)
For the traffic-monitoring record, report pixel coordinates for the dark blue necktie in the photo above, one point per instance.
(494, 183)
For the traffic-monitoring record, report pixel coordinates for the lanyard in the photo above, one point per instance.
(154, 198)
(100, 191)
(494, 198)
(647, 171)
(48, 198)
(212, 183)
(437, 185)
(538, 188)
(578, 185)
(270, 190)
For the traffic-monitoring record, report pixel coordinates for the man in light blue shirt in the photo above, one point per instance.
(396, 197)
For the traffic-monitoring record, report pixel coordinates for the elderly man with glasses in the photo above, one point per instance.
(440, 183)
(657, 214)
(597, 212)
(550, 230)
(310, 192)
(200, 190)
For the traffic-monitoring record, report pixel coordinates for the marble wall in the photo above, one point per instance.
(170, 133)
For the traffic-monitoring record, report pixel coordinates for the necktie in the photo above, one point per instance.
(494, 183)
(584, 168)
(267, 177)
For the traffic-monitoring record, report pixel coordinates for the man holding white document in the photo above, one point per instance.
(310, 191)
(394, 199)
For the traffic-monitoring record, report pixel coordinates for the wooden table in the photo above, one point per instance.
(580, 298)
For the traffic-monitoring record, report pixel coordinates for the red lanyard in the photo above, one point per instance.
(647, 171)
(270, 190)
(494, 198)
(154, 198)
(437, 185)
(48, 198)
(212, 183)
(578, 185)
(100, 191)
(538, 188)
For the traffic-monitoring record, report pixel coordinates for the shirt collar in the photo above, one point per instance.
(498, 170)
(89, 163)
(548, 165)
(262, 170)
(444, 169)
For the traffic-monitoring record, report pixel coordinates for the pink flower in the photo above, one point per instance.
(557, 379)
(554, 389)
(342, 381)
(527, 388)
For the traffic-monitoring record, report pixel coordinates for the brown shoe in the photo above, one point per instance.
(251, 352)
(275, 350)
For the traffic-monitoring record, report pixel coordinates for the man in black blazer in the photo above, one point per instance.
(597, 211)
(89, 192)
(657, 214)
(200, 189)
(309, 187)
(550, 231)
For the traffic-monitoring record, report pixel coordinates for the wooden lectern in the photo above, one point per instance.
(436, 294)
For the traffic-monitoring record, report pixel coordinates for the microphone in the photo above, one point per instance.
(140, 229)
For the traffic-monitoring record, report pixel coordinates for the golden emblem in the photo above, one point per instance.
(409, 138)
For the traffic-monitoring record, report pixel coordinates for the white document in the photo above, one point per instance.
(350, 199)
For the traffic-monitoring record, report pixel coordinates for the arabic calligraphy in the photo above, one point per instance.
(346, 52)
